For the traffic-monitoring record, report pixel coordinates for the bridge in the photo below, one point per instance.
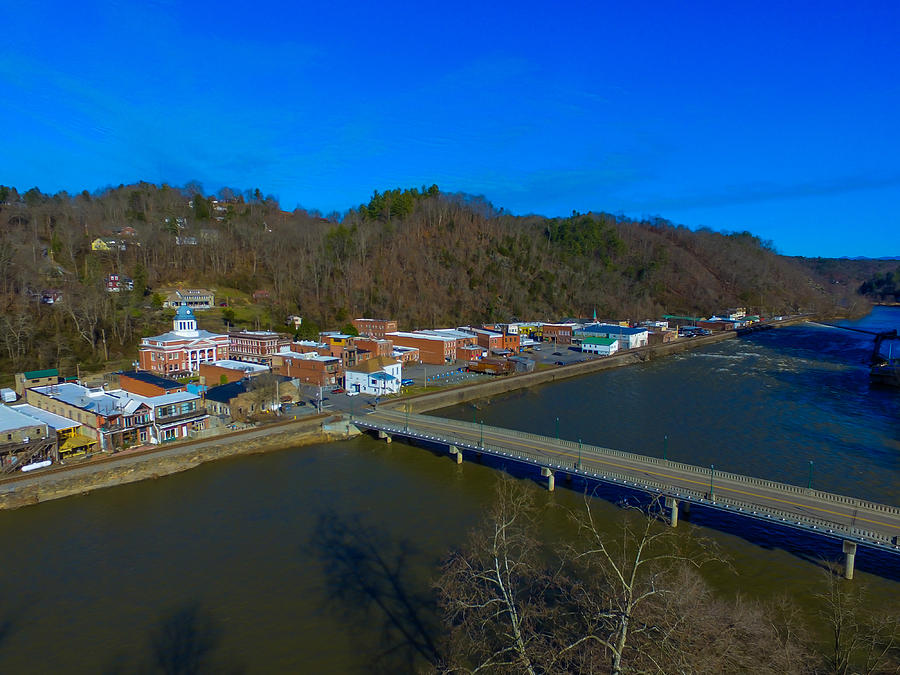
(853, 521)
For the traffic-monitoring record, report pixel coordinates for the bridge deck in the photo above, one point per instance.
(823, 512)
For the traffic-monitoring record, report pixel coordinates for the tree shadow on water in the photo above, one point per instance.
(372, 576)
(185, 641)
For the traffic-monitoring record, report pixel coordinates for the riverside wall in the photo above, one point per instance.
(453, 396)
(81, 479)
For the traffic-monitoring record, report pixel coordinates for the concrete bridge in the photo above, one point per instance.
(853, 521)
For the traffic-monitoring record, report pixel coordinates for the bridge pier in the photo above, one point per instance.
(672, 505)
(551, 481)
(454, 451)
(385, 436)
(849, 558)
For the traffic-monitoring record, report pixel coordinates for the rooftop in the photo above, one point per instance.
(150, 378)
(36, 374)
(55, 422)
(420, 336)
(13, 419)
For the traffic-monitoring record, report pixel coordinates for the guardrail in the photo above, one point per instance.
(585, 467)
(681, 466)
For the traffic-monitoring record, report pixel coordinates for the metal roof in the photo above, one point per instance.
(52, 420)
(13, 419)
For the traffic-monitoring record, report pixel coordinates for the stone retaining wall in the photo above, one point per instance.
(83, 479)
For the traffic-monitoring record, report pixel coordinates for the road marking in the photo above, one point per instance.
(506, 440)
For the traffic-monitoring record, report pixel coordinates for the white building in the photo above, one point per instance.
(601, 346)
(377, 377)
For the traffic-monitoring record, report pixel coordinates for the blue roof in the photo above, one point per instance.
(184, 312)
(612, 329)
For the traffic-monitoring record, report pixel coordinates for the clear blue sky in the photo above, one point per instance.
(782, 118)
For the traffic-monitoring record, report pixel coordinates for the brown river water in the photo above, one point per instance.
(320, 559)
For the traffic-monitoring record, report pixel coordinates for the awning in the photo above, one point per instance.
(383, 376)
(76, 442)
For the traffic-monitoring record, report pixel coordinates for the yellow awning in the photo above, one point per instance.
(77, 441)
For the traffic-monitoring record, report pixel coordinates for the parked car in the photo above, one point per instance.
(557, 353)
(407, 383)
(559, 363)
(338, 390)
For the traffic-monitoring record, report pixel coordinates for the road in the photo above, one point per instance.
(814, 507)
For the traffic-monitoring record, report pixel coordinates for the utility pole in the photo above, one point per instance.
(712, 469)
(809, 484)
(665, 445)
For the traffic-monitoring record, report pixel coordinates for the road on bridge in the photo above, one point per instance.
(854, 514)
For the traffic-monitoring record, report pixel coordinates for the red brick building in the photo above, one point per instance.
(322, 371)
(148, 384)
(432, 348)
(375, 346)
(256, 346)
(561, 333)
(183, 349)
(375, 327)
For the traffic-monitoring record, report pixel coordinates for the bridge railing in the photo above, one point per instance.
(687, 468)
(586, 467)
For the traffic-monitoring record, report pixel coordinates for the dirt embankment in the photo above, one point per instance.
(125, 468)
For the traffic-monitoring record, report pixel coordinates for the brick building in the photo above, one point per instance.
(256, 346)
(148, 384)
(561, 333)
(309, 367)
(433, 349)
(378, 328)
(183, 349)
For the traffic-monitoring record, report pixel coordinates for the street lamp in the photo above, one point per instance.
(665, 445)
(809, 484)
(557, 430)
(407, 416)
(579, 454)
(482, 434)
(712, 469)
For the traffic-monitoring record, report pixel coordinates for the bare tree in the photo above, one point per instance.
(629, 602)
(863, 639)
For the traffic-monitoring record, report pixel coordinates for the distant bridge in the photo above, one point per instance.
(854, 521)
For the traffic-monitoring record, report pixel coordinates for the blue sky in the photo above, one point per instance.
(778, 118)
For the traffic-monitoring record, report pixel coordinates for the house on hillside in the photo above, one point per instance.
(195, 298)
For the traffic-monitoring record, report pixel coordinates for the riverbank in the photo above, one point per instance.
(110, 471)
(426, 402)
(82, 479)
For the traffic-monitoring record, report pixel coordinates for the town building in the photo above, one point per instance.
(560, 333)
(225, 371)
(113, 419)
(309, 367)
(375, 346)
(377, 328)
(107, 244)
(341, 345)
(35, 378)
(629, 338)
(256, 346)
(406, 354)
(378, 376)
(70, 442)
(116, 283)
(600, 345)
(245, 398)
(24, 440)
(433, 349)
(195, 298)
(148, 384)
(183, 349)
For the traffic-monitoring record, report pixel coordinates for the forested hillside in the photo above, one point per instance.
(421, 256)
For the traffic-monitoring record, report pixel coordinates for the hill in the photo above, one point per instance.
(422, 256)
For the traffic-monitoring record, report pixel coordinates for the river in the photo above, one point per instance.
(319, 559)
